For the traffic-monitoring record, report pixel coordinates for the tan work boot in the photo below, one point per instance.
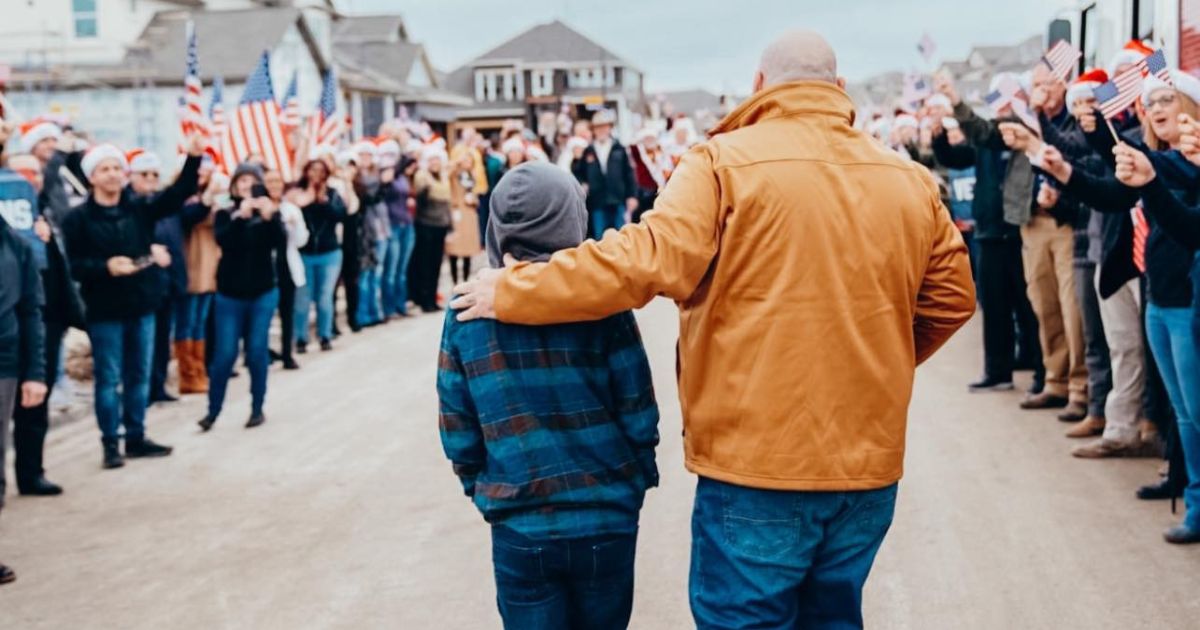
(1104, 448)
(1090, 426)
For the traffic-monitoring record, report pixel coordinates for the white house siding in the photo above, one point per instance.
(43, 32)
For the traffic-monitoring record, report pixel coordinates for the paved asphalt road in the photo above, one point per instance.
(342, 513)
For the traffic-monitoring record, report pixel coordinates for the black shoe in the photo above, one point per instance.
(162, 396)
(255, 420)
(145, 448)
(301, 347)
(6, 575)
(206, 423)
(991, 384)
(1160, 491)
(290, 364)
(112, 455)
(356, 328)
(39, 487)
(275, 356)
(326, 345)
(434, 308)
(1074, 412)
(1038, 386)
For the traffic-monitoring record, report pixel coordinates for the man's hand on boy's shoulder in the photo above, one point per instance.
(476, 298)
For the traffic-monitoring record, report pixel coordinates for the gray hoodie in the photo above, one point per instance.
(536, 210)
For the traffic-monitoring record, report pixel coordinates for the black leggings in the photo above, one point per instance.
(287, 306)
(466, 268)
(30, 424)
(427, 257)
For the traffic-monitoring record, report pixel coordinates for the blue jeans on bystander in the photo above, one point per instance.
(321, 273)
(783, 559)
(607, 217)
(238, 321)
(395, 269)
(579, 583)
(192, 319)
(370, 284)
(122, 351)
(1176, 350)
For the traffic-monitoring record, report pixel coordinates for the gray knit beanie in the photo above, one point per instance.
(536, 209)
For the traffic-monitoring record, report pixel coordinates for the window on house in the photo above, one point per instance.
(83, 12)
(489, 86)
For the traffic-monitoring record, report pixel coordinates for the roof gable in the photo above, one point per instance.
(228, 42)
(388, 28)
(550, 42)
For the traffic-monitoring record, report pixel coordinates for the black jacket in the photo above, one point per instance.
(990, 162)
(22, 334)
(322, 220)
(54, 200)
(95, 233)
(608, 187)
(247, 268)
(1168, 262)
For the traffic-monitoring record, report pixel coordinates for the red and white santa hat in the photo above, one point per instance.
(1132, 52)
(101, 153)
(366, 145)
(1086, 84)
(1185, 84)
(35, 130)
(143, 161)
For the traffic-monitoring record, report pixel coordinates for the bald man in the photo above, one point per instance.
(813, 271)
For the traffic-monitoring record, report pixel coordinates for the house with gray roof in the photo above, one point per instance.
(376, 60)
(542, 70)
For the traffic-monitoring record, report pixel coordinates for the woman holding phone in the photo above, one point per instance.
(249, 232)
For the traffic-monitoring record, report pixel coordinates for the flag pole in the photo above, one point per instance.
(1113, 131)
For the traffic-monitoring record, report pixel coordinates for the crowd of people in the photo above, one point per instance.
(200, 269)
(1083, 236)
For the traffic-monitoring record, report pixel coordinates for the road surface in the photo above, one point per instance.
(342, 513)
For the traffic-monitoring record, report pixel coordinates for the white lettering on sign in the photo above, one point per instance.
(964, 188)
(18, 213)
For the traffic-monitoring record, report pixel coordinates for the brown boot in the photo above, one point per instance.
(199, 365)
(1044, 401)
(183, 357)
(1090, 426)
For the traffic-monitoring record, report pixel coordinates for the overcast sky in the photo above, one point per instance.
(715, 44)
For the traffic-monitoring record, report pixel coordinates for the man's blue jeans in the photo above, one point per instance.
(370, 309)
(582, 583)
(122, 351)
(606, 217)
(1176, 349)
(321, 273)
(780, 559)
(395, 269)
(235, 321)
(192, 320)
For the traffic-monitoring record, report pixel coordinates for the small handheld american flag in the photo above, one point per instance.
(1118, 94)
(221, 140)
(1061, 58)
(1156, 64)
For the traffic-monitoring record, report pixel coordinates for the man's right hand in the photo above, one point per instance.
(119, 266)
(943, 84)
(1054, 164)
(1086, 115)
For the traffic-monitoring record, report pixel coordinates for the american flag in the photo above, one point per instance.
(221, 140)
(255, 126)
(916, 89)
(192, 117)
(1061, 58)
(1118, 94)
(1156, 64)
(291, 105)
(324, 127)
(1006, 93)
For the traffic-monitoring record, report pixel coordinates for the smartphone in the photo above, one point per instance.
(258, 191)
(143, 262)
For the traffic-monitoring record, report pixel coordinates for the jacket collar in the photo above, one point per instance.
(789, 99)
